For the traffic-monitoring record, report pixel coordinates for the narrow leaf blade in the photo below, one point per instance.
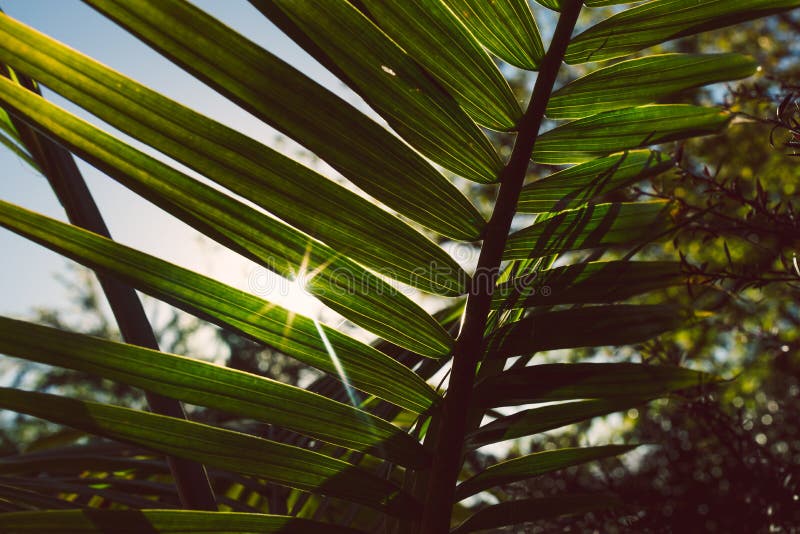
(285, 98)
(658, 21)
(645, 81)
(590, 227)
(215, 447)
(592, 326)
(516, 512)
(206, 384)
(588, 283)
(555, 5)
(292, 192)
(625, 129)
(556, 382)
(583, 183)
(505, 27)
(377, 68)
(161, 521)
(293, 334)
(536, 420)
(336, 280)
(535, 464)
(431, 33)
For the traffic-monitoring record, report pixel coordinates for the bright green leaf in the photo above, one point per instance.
(431, 33)
(294, 193)
(293, 334)
(394, 84)
(505, 27)
(660, 21)
(582, 183)
(590, 227)
(337, 281)
(285, 98)
(625, 129)
(206, 384)
(644, 81)
(555, 5)
(215, 447)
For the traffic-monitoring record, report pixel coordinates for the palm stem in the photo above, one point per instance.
(58, 166)
(448, 432)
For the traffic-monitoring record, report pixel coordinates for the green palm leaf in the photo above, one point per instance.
(205, 384)
(161, 521)
(644, 81)
(659, 21)
(592, 326)
(556, 382)
(136, 170)
(535, 464)
(290, 333)
(430, 31)
(582, 183)
(338, 282)
(505, 27)
(241, 453)
(424, 67)
(294, 193)
(552, 4)
(302, 109)
(590, 227)
(396, 86)
(588, 283)
(536, 420)
(625, 129)
(515, 512)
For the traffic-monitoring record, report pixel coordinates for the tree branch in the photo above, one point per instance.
(449, 427)
(58, 166)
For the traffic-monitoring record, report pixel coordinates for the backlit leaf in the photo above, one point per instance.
(582, 183)
(625, 129)
(531, 465)
(592, 326)
(285, 98)
(590, 227)
(394, 84)
(659, 21)
(644, 81)
(294, 193)
(215, 447)
(557, 382)
(206, 384)
(505, 27)
(291, 333)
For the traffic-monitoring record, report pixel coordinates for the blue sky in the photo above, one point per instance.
(27, 279)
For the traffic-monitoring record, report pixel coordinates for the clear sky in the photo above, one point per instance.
(28, 269)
